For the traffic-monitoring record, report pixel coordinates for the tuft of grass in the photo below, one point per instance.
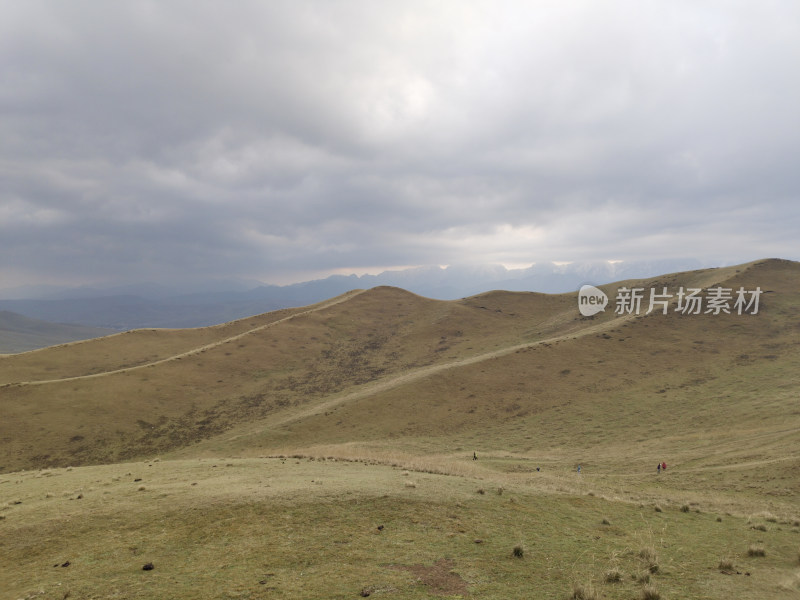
(657, 508)
(726, 565)
(613, 576)
(759, 527)
(411, 484)
(518, 551)
(605, 522)
(583, 592)
(481, 491)
(650, 593)
(756, 550)
(650, 559)
(685, 508)
(500, 490)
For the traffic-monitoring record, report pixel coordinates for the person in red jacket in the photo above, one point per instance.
(663, 466)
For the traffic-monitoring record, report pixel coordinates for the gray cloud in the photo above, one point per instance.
(279, 140)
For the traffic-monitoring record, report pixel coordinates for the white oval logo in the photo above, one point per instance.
(591, 300)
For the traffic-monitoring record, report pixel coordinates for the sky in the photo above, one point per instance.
(282, 141)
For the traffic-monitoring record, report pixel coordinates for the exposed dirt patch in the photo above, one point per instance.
(439, 578)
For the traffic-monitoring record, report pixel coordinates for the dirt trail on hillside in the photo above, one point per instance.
(422, 373)
(198, 349)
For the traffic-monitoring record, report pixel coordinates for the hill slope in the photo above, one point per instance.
(348, 430)
(519, 371)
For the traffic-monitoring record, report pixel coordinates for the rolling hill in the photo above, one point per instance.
(397, 381)
(496, 370)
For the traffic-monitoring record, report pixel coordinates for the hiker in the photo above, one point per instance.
(663, 466)
(579, 468)
(658, 468)
(474, 456)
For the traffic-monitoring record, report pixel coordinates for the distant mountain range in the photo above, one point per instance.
(151, 305)
(19, 333)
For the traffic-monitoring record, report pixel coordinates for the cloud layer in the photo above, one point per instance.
(284, 140)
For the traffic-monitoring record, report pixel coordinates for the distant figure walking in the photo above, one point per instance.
(658, 468)
(579, 468)
(663, 466)
(474, 456)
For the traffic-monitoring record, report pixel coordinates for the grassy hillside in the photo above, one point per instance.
(285, 439)
(21, 334)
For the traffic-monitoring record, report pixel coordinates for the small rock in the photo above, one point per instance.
(380, 527)
(137, 479)
(148, 567)
(66, 564)
(478, 541)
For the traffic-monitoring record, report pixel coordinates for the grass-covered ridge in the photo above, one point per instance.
(285, 441)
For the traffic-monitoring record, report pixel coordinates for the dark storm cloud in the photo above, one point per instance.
(275, 140)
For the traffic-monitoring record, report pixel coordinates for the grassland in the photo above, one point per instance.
(284, 441)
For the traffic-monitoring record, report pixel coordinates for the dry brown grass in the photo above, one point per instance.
(368, 367)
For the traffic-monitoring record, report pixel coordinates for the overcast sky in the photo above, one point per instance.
(282, 141)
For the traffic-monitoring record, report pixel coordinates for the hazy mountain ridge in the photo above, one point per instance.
(153, 305)
(19, 333)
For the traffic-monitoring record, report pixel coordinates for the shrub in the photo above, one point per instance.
(481, 491)
(755, 550)
(685, 508)
(606, 522)
(410, 484)
(658, 508)
(760, 527)
(518, 551)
